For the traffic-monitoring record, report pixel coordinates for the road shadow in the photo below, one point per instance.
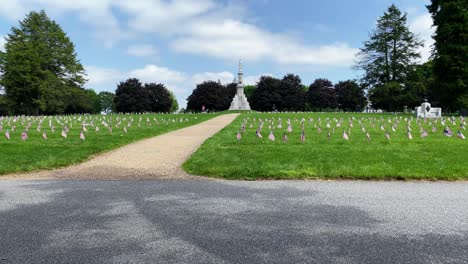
(198, 222)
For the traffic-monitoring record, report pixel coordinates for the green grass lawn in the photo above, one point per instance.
(436, 157)
(35, 153)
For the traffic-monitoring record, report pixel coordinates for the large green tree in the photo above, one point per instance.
(292, 94)
(213, 95)
(321, 96)
(39, 68)
(450, 52)
(106, 102)
(266, 96)
(390, 53)
(350, 96)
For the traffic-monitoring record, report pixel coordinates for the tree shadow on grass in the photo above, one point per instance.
(201, 222)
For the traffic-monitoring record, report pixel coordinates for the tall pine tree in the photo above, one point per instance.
(450, 52)
(390, 54)
(39, 67)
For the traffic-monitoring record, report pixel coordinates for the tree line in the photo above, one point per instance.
(286, 94)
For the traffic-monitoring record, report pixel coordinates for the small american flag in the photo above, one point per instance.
(410, 136)
(238, 136)
(448, 132)
(7, 135)
(368, 136)
(285, 138)
(289, 128)
(125, 130)
(387, 135)
(424, 134)
(271, 136)
(258, 134)
(328, 136)
(24, 135)
(460, 135)
(303, 136)
(345, 135)
(44, 135)
(82, 136)
(64, 134)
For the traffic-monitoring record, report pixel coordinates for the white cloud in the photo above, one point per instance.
(153, 73)
(143, 50)
(233, 39)
(202, 27)
(2, 43)
(224, 77)
(100, 77)
(422, 25)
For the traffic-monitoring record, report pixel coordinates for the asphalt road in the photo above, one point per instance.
(81, 221)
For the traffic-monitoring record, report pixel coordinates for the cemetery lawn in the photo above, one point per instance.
(35, 153)
(435, 157)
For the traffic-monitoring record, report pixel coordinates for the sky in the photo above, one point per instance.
(183, 42)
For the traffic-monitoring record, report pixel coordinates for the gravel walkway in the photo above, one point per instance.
(159, 157)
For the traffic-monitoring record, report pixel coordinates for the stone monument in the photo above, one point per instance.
(426, 111)
(240, 101)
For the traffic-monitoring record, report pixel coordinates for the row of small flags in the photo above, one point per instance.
(87, 121)
(271, 136)
(447, 131)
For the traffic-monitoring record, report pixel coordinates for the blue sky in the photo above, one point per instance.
(183, 42)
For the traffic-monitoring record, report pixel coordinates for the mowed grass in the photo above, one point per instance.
(436, 157)
(35, 153)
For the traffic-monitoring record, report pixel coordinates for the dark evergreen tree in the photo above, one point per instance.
(321, 96)
(389, 54)
(39, 69)
(350, 96)
(450, 53)
(266, 96)
(390, 96)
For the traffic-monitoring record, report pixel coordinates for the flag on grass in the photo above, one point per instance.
(345, 135)
(289, 128)
(303, 136)
(258, 134)
(24, 135)
(460, 135)
(44, 135)
(387, 135)
(238, 136)
(448, 132)
(285, 138)
(271, 136)
(64, 134)
(424, 134)
(125, 130)
(410, 136)
(368, 136)
(7, 135)
(82, 136)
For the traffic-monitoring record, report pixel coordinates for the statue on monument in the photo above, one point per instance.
(239, 102)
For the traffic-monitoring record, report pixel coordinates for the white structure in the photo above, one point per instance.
(426, 111)
(240, 101)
